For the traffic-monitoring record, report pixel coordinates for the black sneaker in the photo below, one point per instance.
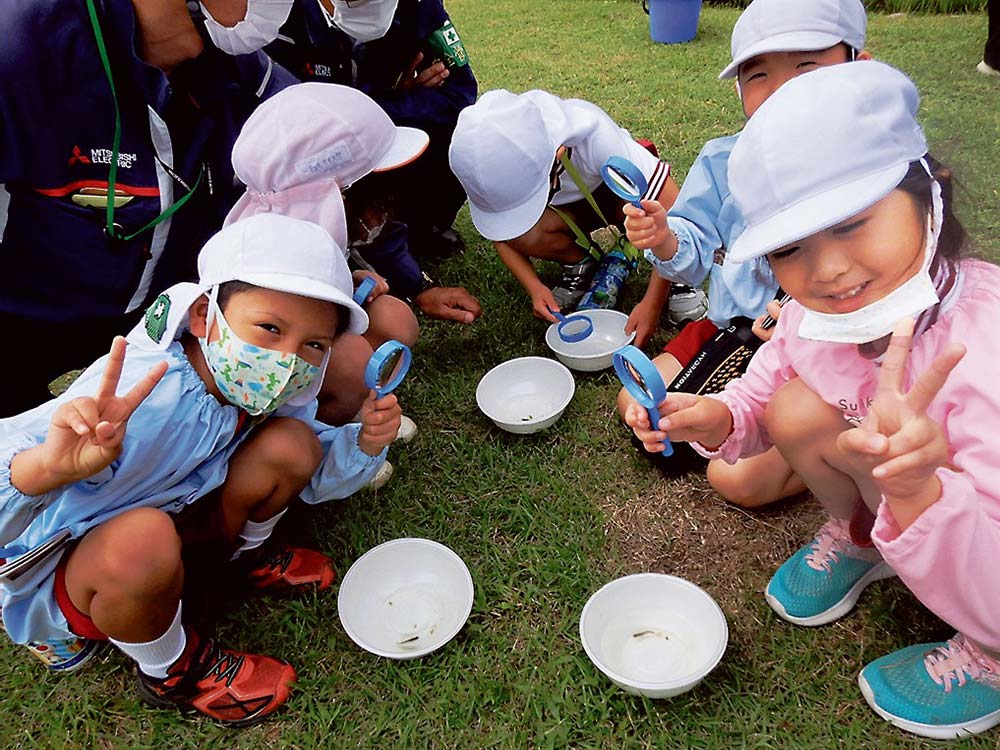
(574, 282)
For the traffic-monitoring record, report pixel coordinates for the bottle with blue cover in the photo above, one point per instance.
(608, 282)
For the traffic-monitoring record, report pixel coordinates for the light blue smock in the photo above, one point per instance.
(706, 221)
(176, 449)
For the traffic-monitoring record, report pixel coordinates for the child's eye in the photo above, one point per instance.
(806, 64)
(317, 345)
(755, 76)
(269, 327)
(784, 252)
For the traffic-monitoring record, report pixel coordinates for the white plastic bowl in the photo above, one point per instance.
(652, 634)
(526, 394)
(405, 598)
(594, 352)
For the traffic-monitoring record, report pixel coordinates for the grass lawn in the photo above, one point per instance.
(544, 520)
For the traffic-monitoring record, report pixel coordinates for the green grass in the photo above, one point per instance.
(544, 520)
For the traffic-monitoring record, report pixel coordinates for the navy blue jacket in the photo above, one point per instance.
(56, 131)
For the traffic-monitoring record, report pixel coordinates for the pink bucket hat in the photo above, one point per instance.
(305, 144)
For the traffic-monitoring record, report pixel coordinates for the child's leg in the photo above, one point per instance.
(756, 481)
(344, 388)
(668, 367)
(390, 318)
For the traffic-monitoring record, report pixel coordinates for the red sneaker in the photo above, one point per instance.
(290, 567)
(231, 687)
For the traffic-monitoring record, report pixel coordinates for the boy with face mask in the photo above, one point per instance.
(193, 466)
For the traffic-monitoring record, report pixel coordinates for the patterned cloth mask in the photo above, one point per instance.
(257, 380)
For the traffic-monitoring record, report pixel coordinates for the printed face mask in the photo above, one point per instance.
(257, 29)
(255, 379)
(364, 20)
(876, 320)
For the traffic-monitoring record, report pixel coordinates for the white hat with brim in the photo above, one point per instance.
(408, 144)
(793, 41)
(825, 146)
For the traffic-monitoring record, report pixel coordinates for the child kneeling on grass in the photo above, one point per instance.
(894, 434)
(193, 465)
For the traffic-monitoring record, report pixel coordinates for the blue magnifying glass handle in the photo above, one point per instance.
(625, 179)
(387, 367)
(643, 382)
(574, 328)
(364, 289)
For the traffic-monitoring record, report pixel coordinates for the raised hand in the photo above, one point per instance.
(85, 434)
(380, 420)
(647, 228)
(899, 441)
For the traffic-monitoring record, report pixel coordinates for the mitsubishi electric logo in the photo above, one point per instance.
(101, 156)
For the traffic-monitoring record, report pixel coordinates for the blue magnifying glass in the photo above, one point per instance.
(364, 289)
(574, 328)
(643, 382)
(387, 367)
(625, 179)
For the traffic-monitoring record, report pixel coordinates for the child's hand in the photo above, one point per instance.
(696, 419)
(637, 418)
(85, 434)
(381, 285)
(379, 423)
(543, 302)
(903, 445)
(647, 228)
(643, 320)
(765, 334)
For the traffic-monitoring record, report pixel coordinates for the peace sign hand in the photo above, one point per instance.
(86, 434)
(898, 440)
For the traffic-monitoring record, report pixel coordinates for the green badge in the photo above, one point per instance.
(447, 45)
(156, 317)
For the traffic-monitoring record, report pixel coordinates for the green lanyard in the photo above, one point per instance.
(113, 230)
(621, 242)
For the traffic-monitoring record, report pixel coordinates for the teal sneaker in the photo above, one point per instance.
(822, 581)
(938, 690)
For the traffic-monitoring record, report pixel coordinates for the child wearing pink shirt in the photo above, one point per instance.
(864, 389)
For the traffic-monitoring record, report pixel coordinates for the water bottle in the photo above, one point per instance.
(608, 282)
(64, 655)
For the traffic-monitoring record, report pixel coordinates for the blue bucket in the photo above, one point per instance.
(672, 21)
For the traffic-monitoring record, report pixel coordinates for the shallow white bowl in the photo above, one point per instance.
(652, 634)
(526, 394)
(405, 598)
(594, 352)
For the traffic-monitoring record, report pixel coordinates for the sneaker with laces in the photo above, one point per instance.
(939, 690)
(233, 688)
(822, 581)
(290, 567)
(574, 283)
(686, 304)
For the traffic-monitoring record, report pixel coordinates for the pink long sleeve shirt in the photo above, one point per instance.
(949, 556)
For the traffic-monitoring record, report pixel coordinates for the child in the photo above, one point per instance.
(506, 153)
(214, 436)
(773, 41)
(832, 177)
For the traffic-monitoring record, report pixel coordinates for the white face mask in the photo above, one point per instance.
(257, 29)
(364, 20)
(876, 320)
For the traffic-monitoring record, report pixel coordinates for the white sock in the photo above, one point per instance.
(255, 534)
(156, 656)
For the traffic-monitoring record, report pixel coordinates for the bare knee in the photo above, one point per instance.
(796, 413)
(391, 318)
(344, 388)
(730, 481)
(137, 550)
(290, 446)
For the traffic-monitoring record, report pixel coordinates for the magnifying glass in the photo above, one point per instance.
(364, 289)
(387, 367)
(625, 179)
(643, 382)
(573, 328)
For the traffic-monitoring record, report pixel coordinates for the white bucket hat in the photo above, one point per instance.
(795, 25)
(270, 251)
(822, 148)
(502, 153)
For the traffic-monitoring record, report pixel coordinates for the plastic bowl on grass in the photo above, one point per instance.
(405, 598)
(525, 395)
(594, 352)
(653, 634)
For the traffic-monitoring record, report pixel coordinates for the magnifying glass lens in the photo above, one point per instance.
(574, 327)
(623, 181)
(389, 367)
(639, 381)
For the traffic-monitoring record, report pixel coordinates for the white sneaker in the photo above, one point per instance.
(987, 70)
(686, 304)
(407, 430)
(382, 476)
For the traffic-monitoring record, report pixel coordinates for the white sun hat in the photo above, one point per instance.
(795, 25)
(823, 147)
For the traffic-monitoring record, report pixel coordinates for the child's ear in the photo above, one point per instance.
(864, 55)
(198, 317)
